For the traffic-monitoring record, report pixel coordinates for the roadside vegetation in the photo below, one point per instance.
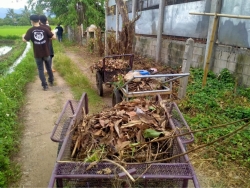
(12, 97)
(220, 102)
(74, 76)
(9, 58)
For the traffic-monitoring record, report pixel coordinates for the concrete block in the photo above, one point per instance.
(245, 79)
(216, 70)
(220, 64)
(218, 54)
(231, 66)
(200, 45)
(232, 57)
(154, 42)
(246, 70)
(239, 68)
(225, 56)
(248, 81)
(198, 51)
(196, 58)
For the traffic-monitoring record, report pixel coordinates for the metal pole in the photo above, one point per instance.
(106, 28)
(159, 30)
(134, 8)
(117, 23)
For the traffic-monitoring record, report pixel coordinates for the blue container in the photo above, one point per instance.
(143, 72)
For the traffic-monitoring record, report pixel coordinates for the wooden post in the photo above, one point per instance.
(210, 50)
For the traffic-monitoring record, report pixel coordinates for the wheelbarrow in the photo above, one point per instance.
(104, 76)
(124, 92)
(67, 172)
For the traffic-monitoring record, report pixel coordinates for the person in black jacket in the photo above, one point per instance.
(59, 32)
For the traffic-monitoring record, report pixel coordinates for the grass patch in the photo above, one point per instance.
(217, 103)
(12, 96)
(75, 78)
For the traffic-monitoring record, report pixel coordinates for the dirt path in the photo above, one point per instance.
(38, 152)
(83, 60)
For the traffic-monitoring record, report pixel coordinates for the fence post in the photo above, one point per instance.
(187, 59)
(159, 30)
(106, 28)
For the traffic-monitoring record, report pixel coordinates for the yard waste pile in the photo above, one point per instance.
(130, 132)
(111, 64)
(138, 84)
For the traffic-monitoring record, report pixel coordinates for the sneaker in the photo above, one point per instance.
(51, 83)
(45, 88)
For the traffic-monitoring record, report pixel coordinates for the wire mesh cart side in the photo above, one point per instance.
(67, 117)
(177, 172)
(124, 92)
(105, 77)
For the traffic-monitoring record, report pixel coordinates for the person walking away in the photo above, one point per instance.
(44, 22)
(59, 32)
(40, 37)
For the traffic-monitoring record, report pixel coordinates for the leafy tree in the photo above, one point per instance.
(75, 12)
(24, 19)
(11, 17)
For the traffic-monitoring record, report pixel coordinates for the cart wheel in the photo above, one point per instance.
(116, 97)
(99, 83)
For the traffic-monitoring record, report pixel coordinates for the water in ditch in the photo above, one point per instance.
(4, 50)
(12, 68)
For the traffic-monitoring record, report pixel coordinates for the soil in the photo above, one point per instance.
(38, 153)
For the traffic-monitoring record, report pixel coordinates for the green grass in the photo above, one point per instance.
(14, 31)
(75, 78)
(12, 98)
(219, 102)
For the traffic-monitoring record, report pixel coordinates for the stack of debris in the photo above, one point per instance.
(134, 131)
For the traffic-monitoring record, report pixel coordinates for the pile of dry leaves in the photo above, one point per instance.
(133, 132)
(111, 64)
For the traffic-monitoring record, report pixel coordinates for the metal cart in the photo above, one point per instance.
(178, 172)
(124, 92)
(105, 77)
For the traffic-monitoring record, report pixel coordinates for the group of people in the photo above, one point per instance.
(41, 36)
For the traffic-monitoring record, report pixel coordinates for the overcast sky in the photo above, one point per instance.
(13, 4)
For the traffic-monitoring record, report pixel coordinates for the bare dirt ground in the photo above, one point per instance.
(38, 153)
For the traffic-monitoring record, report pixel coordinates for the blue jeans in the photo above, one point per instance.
(59, 37)
(39, 63)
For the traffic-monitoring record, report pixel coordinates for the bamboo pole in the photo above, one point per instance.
(220, 15)
(210, 50)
